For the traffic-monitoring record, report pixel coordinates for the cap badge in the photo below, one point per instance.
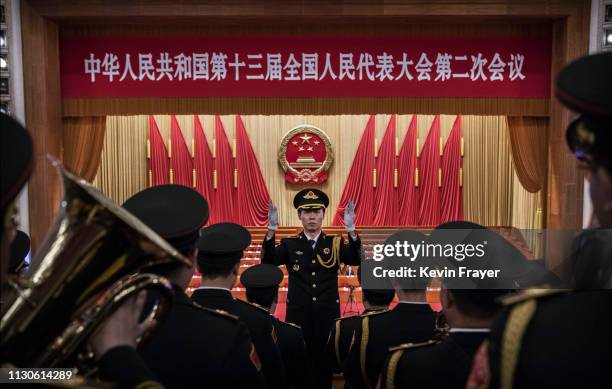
(310, 196)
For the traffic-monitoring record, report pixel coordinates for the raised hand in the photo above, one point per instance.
(349, 216)
(272, 217)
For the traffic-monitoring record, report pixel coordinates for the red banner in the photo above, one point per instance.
(305, 66)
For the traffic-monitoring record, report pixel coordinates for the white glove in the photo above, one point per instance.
(349, 216)
(272, 217)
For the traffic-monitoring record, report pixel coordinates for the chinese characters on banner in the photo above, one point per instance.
(305, 66)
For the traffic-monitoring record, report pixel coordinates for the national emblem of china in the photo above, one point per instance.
(306, 155)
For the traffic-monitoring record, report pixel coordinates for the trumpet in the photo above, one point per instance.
(95, 255)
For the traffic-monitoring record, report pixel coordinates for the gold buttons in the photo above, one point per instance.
(314, 285)
(314, 299)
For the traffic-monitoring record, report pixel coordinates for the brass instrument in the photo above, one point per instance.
(93, 257)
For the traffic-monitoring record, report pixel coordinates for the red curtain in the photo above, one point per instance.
(203, 163)
(385, 194)
(252, 191)
(408, 192)
(429, 165)
(223, 208)
(359, 183)
(180, 157)
(158, 162)
(452, 196)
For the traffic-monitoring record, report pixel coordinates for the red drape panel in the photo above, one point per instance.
(180, 159)
(158, 163)
(252, 193)
(408, 192)
(385, 195)
(429, 164)
(452, 196)
(223, 208)
(203, 163)
(358, 186)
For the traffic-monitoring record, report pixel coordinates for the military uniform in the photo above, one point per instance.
(313, 301)
(261, 283)
(192, 344)
(224, 243)
(293, 351)
(209, 347)
(125, 368)
(555, 339)
(444, 364)
(260, 327)
(405, 323)
(339, 341)
(550, 338)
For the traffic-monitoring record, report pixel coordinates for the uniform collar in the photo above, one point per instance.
(472, 330)
(414, 302)
(409, 306)
(316, 238)
(213, 287)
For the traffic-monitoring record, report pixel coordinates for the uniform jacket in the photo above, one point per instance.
(406, 323)
(564, 343)
(260, 327)
(433, 365)
(339, 341)
(126, 369)
(200, 345)
(294, 354)
(312, 299)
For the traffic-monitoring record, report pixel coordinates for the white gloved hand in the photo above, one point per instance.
(349, 216)
(272, 217)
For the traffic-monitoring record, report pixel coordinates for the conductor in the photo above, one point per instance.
(312, 259)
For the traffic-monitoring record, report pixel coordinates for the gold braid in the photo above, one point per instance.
(335, 254)
(337, 343)
(516, 326)
(393, 361)
(363, 347)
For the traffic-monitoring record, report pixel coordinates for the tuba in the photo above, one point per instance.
(95, 255)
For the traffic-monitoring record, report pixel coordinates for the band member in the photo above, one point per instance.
(181, 352)
(261, 283)
(221, 246)
(553, 338)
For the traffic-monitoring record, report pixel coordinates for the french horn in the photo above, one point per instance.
(95, 255)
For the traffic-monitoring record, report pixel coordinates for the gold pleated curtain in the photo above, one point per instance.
(83, 140)
(492, 196)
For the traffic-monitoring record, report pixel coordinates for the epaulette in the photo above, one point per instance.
(407, 346)
(529, 294)
(255, 305)
(218, 312)
(396, 355)
(291, 324)
(374, 313)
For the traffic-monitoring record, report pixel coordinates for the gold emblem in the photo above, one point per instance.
(305, 155)
(326, 250)
(310, 195)
(296, 267)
